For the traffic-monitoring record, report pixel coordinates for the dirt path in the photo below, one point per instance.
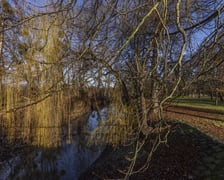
(208, 122)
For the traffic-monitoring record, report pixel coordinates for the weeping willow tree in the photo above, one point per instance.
(10, 89)
(5, 11)
(12, 98)
(33, 96)
(34, 102)
(46, 86)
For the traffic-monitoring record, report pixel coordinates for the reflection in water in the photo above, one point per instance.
(66, 162)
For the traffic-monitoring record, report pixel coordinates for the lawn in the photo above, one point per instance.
(203, 102)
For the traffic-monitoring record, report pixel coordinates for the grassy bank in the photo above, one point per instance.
(203, 103)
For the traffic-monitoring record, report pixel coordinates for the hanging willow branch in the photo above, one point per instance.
(25, 106)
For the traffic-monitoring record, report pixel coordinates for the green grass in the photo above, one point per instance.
(203, 102)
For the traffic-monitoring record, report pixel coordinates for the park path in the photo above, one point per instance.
(209, 141)
(207, 121)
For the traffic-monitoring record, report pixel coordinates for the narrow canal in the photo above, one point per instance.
(66, 162)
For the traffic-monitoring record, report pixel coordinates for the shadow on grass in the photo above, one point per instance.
(183, 157)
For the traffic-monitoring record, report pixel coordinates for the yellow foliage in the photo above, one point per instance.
(29, 83)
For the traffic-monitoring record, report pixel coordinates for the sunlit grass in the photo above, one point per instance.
(203, 102)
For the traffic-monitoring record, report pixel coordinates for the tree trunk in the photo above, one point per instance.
(154, 113)
(211, 95)
(145, 129)
(216, 98)
(220, 97)
(125, 94)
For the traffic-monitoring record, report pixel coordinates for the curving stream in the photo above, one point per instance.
(66, 162)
